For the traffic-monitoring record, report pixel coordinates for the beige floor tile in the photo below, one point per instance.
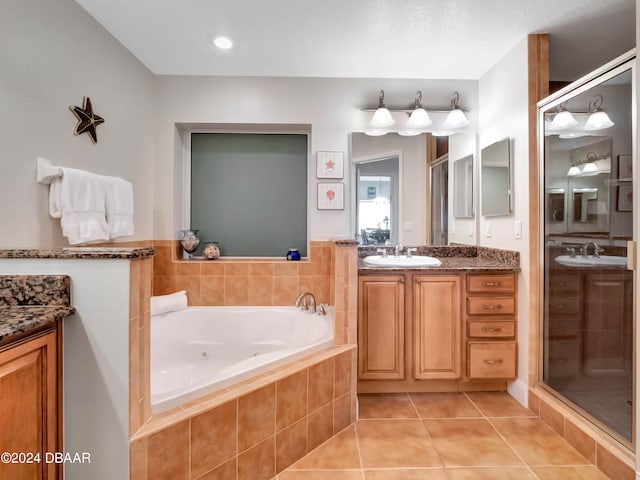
(322, 475)
(498, 404)
(395, 443)
(569, 473)
(443, 405)
(491, 473)
(470, 442)
(537, 443)
(407, 474)
(339, 453)
(385, 406)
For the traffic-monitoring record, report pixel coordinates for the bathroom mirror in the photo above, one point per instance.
(495, 161)
(463, 187)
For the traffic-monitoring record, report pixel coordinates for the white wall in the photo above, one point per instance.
(330, 106)
(503, 112)
(53, 53)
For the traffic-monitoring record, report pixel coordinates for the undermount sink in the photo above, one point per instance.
(591, 261)
(401, 261)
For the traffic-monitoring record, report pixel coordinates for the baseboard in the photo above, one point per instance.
(520, 391)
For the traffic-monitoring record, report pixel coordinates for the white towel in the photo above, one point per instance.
(169, 303)
(119, 207)
(78, 199)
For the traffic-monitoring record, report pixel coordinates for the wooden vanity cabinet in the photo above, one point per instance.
(29, 421)
(491, 325)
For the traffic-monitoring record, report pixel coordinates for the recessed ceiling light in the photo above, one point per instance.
(222, 42)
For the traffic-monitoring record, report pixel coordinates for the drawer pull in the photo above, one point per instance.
(490, 284)
(562, 284)
(497, 361)
(491, 329)
(561, 306)
(491, 307)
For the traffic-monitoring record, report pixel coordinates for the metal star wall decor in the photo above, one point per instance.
(87, 120)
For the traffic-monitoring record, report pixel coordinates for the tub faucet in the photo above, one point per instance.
(398, 248)
(302, 303)
(596, 249)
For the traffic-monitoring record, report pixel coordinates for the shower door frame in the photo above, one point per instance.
(618, 65)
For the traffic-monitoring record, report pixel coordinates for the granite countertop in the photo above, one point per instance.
(20, 321)
(454, 259)
(32, 303)
(78, 252)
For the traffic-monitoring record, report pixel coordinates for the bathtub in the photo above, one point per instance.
(199, 350)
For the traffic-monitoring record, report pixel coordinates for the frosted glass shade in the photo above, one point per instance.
(382, 118)
(409, 133)
(598, 120)
(573, 171)
(419, 119)
(375, 132)
(563, 120)
(456, 119)
(590, 168)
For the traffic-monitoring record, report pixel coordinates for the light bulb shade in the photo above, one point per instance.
(375, 132)
(442, 133)
(409, 133)
(563, 119)
(419, 119)
(598, 121)
(573, 171)
(382, 118)
(590, 168)
(456, 119)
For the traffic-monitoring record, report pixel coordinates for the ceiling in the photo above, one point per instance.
(428, 39)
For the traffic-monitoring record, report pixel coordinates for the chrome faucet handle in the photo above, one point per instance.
(322, 309)
(596, 250)
(572, 251)
(383, 251)
(411, 251)
(398, 249)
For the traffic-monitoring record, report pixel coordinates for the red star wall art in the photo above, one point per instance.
(87, 120)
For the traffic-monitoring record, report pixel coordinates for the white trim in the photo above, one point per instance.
(519, 390)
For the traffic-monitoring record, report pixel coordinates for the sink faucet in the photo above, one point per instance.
(596, 249)
(302, 303)
(398, 248)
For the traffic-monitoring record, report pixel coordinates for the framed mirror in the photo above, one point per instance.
(463, 187)
(495, 161)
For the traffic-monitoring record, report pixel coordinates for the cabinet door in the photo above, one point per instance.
(28, 413)
(381, 328)
(437, 327)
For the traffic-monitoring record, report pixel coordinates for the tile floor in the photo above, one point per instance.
(444, 436)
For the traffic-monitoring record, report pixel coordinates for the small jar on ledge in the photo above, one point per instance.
(211, 251)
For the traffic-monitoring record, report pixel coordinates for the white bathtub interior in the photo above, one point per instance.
(199, 350)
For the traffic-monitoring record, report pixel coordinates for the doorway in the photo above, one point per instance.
(439, 174)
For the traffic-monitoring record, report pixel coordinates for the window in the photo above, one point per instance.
(249, 192)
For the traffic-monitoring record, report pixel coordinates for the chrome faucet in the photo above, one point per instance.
(398, 248)
(302, 303)
(596, 249)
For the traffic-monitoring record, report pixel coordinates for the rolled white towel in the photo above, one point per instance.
(168, 303)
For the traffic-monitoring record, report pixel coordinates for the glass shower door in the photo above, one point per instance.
(588, 317)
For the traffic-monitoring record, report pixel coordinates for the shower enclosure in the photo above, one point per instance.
(588, 230)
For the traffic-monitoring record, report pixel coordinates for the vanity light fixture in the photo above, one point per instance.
(574, 171)
(563, 118)
(456, 117)
(382, 117)
(419, 117)
(590, 166)
(598, 118)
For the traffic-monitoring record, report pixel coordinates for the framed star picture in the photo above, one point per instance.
(331, 196)
(329, 164)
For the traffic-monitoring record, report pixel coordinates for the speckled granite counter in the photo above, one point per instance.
(453, 258)
(31, 303)
(78, 252)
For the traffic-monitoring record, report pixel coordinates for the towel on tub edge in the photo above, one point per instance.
(168, 303)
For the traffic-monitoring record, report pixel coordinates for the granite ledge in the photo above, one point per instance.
(18, 322)
(79, 252)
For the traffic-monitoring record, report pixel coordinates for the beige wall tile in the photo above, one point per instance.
(291, 399)
(285, 269)
(256, 417)
(285, 290)
(236, 290)
(168, 457)
(212, 290)
(580, 440)
(612, 466)
(261, 269)
(192, 285)
(162, 264)
(320, 384)
(163, 284)
(188, 268)
(341, 413)
(342, 375)
(236, 269)
(319, 426)
(213, 438)
(552, 417)
(291, 444)
(261, 290)
(138, 460)
(212, 268)
(258, 463)
(226, 471)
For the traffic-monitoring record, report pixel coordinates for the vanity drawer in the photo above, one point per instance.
(491, 305)
(559, 282)
(492, 360)
(492, 329)
(559, 305)
(491, 283)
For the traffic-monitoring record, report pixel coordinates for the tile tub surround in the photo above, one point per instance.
(252, 430)
(330, 273)
(610, 457)
(29, 303)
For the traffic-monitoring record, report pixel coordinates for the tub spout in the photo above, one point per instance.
(302, 303)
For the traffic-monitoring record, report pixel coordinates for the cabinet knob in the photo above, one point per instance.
(497, 361)
(490, 307)
(491, 329)
(490, 284)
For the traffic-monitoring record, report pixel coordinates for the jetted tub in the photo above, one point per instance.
(199, 350)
